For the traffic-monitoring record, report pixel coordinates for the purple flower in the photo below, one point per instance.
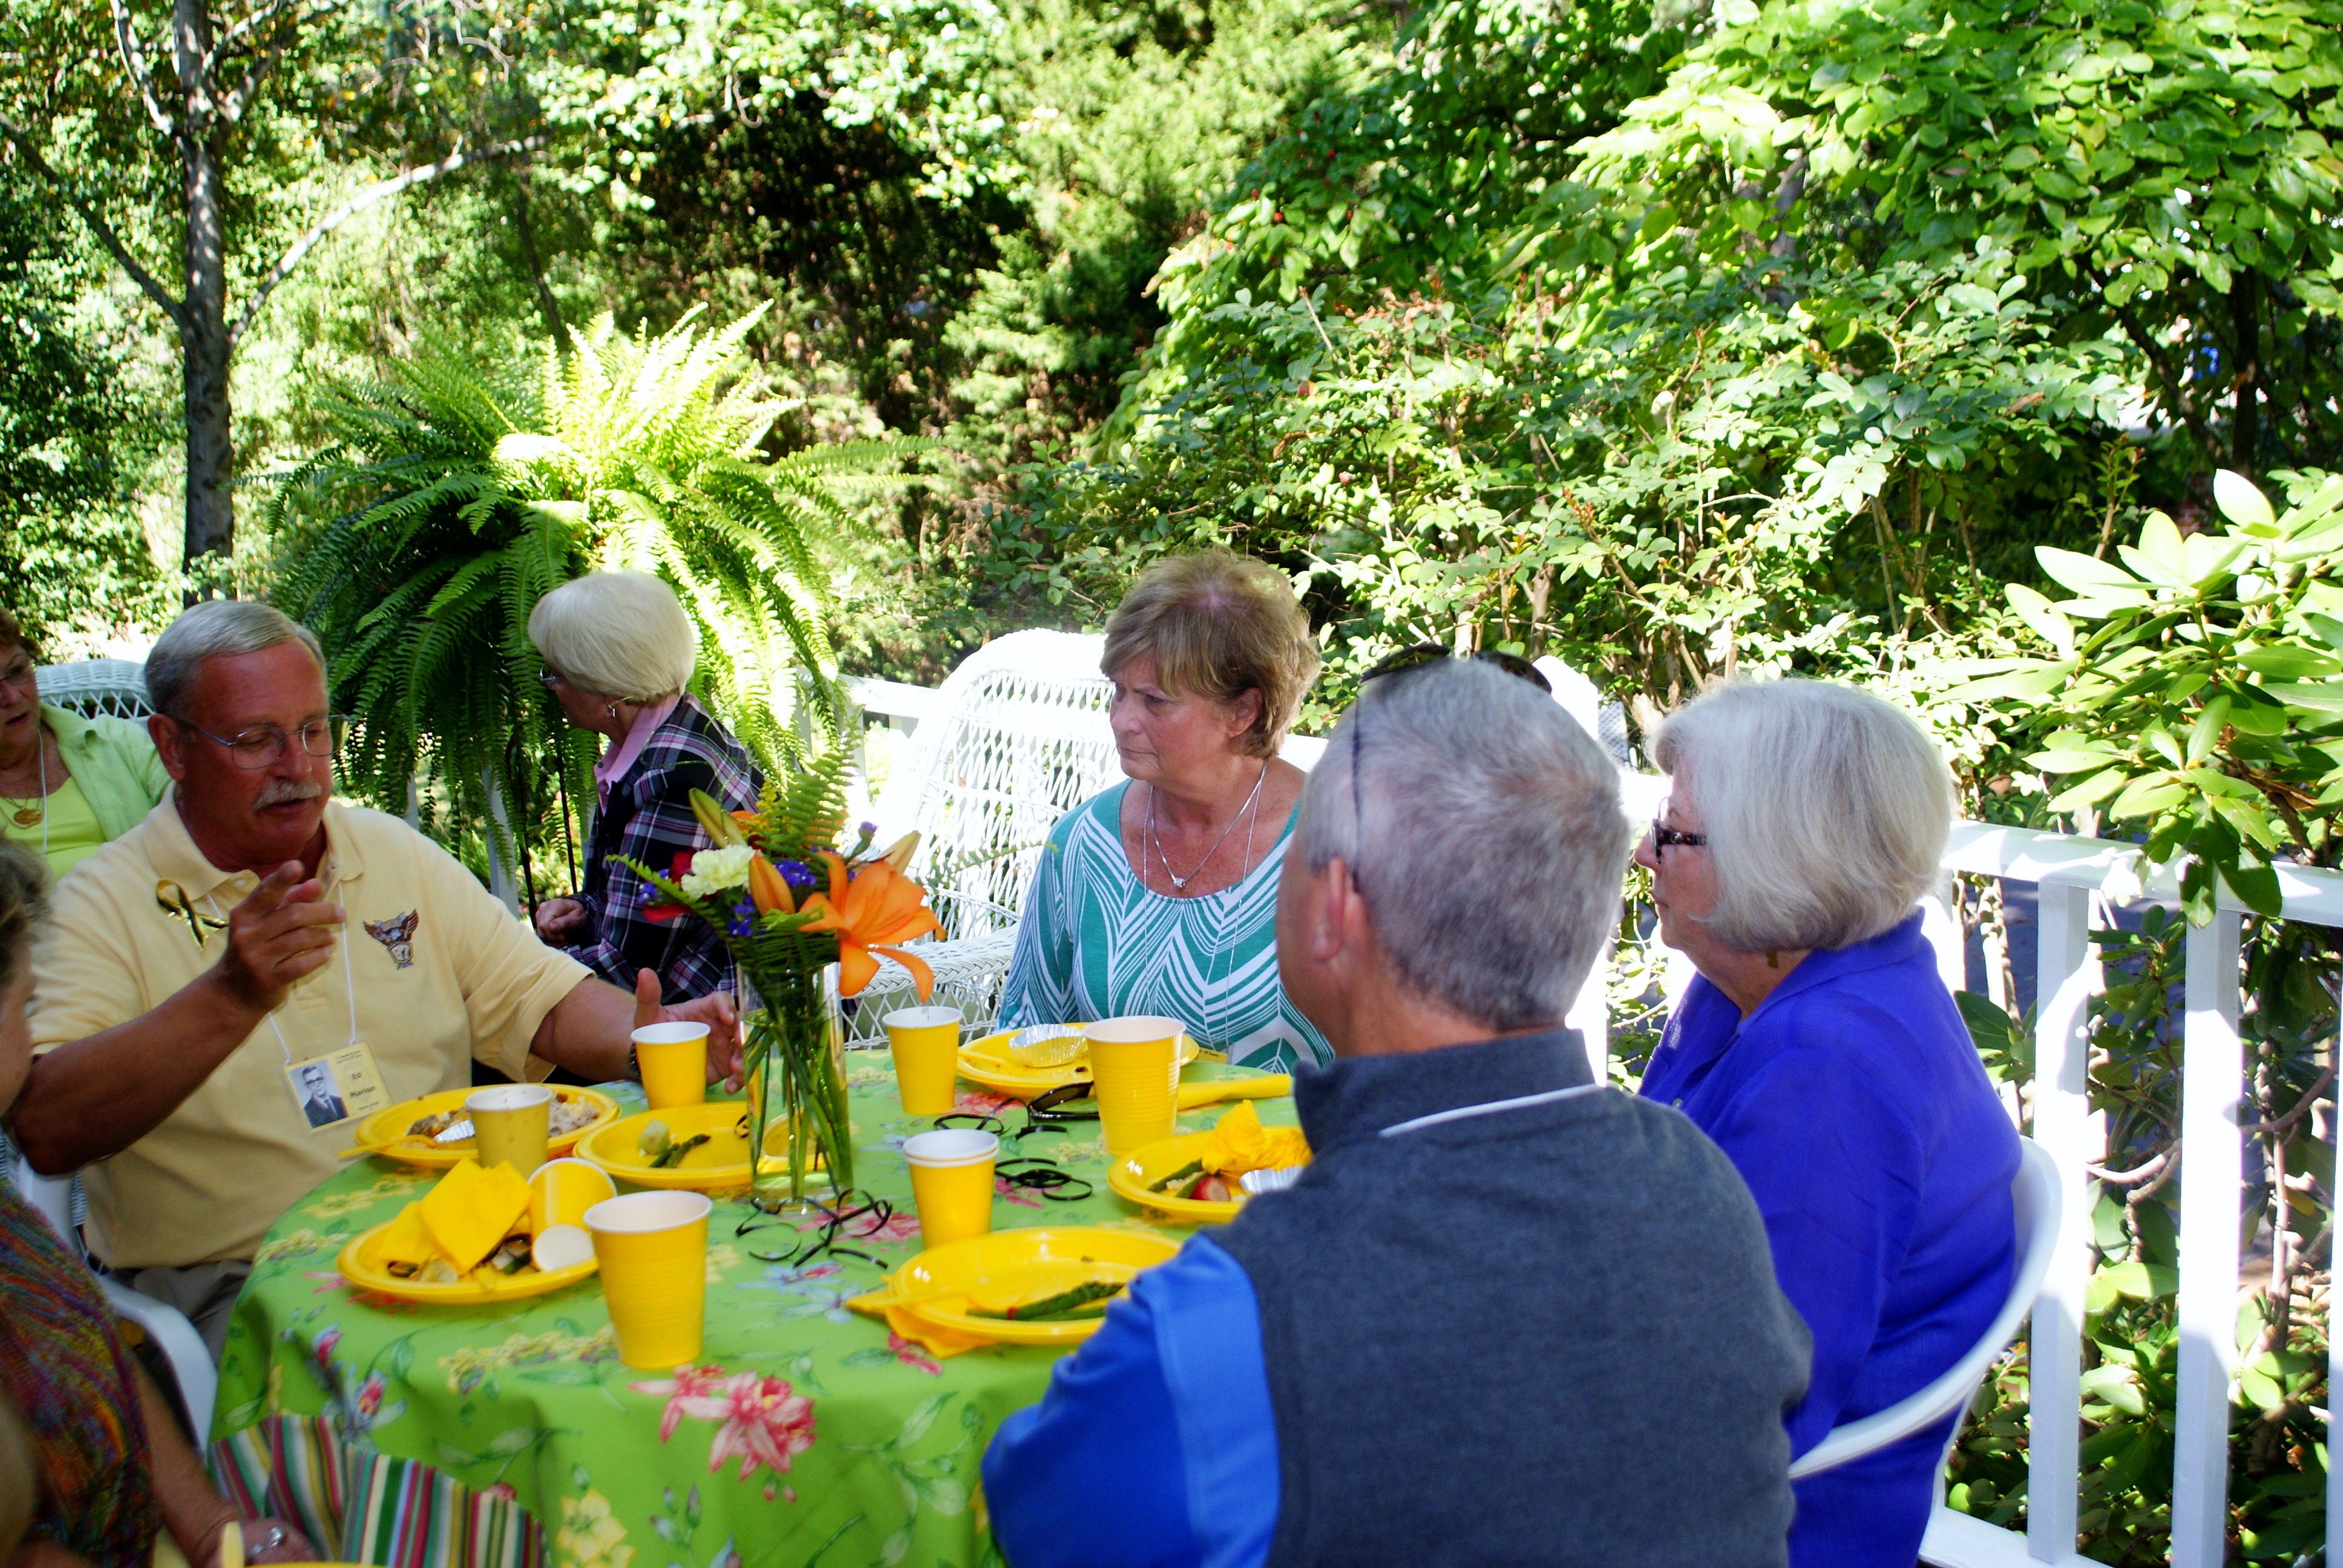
(744, 917)
(796, 874)
(868, 829)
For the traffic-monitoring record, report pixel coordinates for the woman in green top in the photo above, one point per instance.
(1159, 896)
(67, 784)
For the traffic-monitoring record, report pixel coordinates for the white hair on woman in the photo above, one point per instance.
(617, 634)
(1827, 810)
(1484, 834)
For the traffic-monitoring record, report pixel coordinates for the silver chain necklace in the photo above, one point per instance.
(1179, 882)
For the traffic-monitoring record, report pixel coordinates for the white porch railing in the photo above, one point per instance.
(2067, 870)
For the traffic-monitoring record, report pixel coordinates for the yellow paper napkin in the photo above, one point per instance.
(472, 1209)
(932, 1337)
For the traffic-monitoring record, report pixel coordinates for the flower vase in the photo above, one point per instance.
(794, 1039)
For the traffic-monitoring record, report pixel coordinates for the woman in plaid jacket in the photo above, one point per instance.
(618, 651)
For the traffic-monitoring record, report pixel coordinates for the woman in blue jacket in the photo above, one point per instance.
(1821, 1050)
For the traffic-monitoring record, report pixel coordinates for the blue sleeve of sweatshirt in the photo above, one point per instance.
(1171, 1398)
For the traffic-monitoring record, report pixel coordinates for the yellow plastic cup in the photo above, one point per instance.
(926, 1046)
(563, 1190)
(509, 1124)
(652, 1248)
(1135, 1080)
(951, 1182)
(674, 1061)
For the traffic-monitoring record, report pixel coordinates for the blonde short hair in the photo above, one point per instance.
(1219, 625)
(1827, 811)
(617, 634)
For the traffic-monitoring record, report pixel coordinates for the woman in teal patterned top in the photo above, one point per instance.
(1159, 896)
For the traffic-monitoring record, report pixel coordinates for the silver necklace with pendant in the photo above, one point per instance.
(1179, 882)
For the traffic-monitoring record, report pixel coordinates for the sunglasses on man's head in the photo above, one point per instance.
(1417, 655)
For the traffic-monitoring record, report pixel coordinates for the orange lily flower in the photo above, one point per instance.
(878, 908)
(766, 888)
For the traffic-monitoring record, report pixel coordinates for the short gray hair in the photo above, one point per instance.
(1827, 810)
(215, 628)
(1494, 845)
(618, 634)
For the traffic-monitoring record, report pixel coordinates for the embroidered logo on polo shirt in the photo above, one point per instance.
(398, 937)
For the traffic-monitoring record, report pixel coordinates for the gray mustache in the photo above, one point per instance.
(279, 792)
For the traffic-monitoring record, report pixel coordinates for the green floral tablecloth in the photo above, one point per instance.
(805, 1434)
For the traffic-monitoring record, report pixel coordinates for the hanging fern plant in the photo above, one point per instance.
(454, 496)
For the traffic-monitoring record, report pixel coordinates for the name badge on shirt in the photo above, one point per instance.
(331, 1089)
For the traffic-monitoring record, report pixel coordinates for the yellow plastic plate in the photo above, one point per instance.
(360, 1268)
(717, 1165)
(1012, 1266)
(1130, 1177)
(987, 1061)
(384, 1133)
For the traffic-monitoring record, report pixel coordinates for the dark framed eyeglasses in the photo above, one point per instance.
(1664, 837)
(1415, 656)
(254, 749)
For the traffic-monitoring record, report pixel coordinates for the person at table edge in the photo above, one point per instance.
(67, 784)
(110, 1473)
(602, 636)
(1158, 896)
(1507, 1314)
(1822, 1051)
(167, 1038)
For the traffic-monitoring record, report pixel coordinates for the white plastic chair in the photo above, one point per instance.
(2034, 1197)
(1019, 739)
(92, 687)
(183, 1348)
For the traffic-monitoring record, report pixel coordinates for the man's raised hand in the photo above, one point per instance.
(715, 1010)
(281, 931)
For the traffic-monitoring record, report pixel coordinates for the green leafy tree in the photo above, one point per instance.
(2193, 691)
(166, 127)
(71, 434)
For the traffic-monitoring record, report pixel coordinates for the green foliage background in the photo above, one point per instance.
(1893, 342)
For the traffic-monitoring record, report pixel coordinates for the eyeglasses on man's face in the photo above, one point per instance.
(1664, 837)
(253, 750)
(21, 676)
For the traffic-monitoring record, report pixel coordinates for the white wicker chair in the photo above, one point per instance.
(1018, 739)
(94, 686)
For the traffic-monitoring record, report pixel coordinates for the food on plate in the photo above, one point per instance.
(567, 1115)
(652, 1144)
(671, 1156)
(1064, 1304)
(1238, 1143)
(473, 1224)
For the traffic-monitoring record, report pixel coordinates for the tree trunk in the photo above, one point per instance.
(202, 326)
(546, 305)
(2245, 357)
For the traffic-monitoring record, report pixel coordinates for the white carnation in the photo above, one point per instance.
(715, 871)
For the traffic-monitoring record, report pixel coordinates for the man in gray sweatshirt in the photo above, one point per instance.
(1507, 1314)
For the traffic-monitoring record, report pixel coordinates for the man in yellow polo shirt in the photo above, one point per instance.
(214, 984)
